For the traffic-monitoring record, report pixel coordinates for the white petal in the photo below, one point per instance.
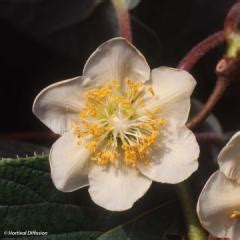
(116, 189)
(58, 104)
(115, 60)
(229, 158)
(218, 198)
(173, 88)
(69, 163)
(173, 158)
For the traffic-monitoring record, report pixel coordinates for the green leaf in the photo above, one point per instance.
(29, 201)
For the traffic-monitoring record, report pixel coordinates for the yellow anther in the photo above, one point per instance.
(235, 214)
(75, 129)
(98, 94)
(110, 143)
(162, 122)
(150, 89)
(87, 111)
(105, 157)
(114, 84)
(151, 113)
(134, 87)
(92, 146)
(130, 157)
(151, 138)
(74, 126)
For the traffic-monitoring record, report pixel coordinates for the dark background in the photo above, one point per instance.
(45, 41)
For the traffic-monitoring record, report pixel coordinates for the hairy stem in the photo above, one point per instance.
(188, 62)
(201, 49)
(123, 19)
(218, 91)
(194, 229)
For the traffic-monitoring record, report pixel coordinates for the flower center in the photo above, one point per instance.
(119, 124)
(115, 123)
(234, 214)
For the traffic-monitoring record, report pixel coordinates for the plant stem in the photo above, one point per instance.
(218, 91)
(200, 50)
(123, 19)
(194, 229)
(188, 62)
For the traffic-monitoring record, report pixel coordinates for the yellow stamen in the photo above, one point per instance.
(235, 214)
(134, 87)
(162, 122)
(88, 111)
(98, 94)
(112, 123)
(105, 157)
(150, 89)
(130, 155)
(92, 146)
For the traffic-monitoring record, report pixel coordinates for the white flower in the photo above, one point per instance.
(122, 126)
(219, 202)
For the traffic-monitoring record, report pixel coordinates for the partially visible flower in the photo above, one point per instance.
(219, 202)
(122, 126)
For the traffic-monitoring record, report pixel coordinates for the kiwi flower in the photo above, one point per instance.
(122, 126)
(219, 202)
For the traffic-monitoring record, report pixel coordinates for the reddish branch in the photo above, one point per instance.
(188, 63)
(201, 49)
(218, 91)
(227, 70)
(124, 20)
